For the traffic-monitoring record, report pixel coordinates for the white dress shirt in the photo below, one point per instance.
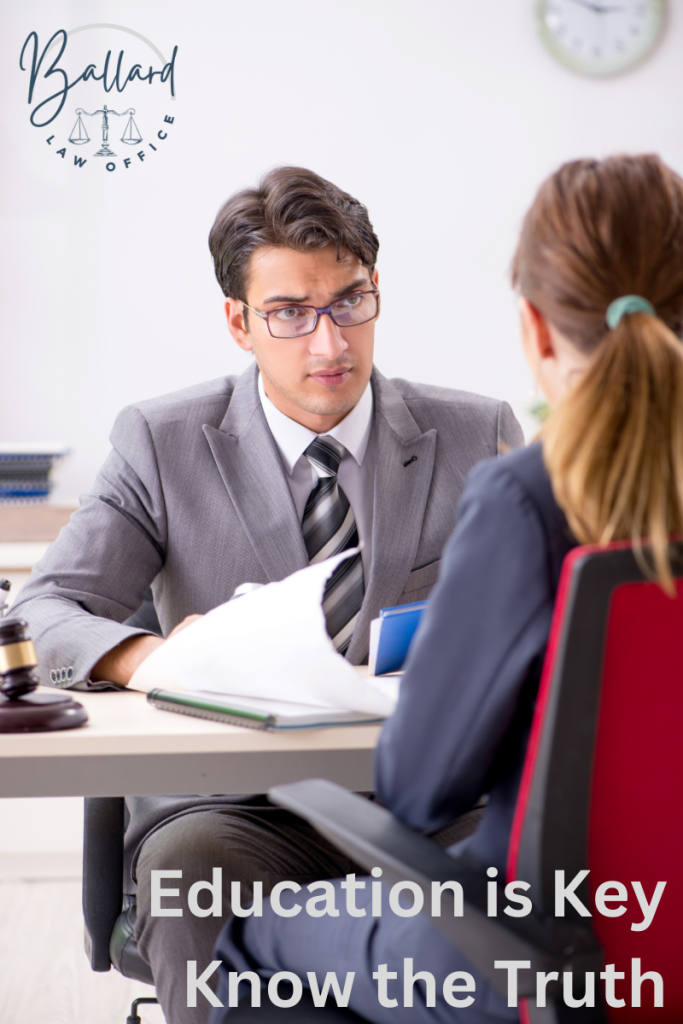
(356, 470)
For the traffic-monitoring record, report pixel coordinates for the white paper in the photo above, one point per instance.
(375, 627)
(269, 643)
(270, 706)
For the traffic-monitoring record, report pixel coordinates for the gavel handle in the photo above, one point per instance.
(5, 587)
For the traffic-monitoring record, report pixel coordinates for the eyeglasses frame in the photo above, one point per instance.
(318, 311)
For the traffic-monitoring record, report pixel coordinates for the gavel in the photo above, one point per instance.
(18, 658)
(22, 710)
(5, 587)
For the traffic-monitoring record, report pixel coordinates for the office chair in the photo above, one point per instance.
(601, 789)
(109, 938)
(109, 918)
(109, 921)
(604, 756)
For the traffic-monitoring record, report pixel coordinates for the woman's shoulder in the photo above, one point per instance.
(520, 479)
(520, 474)
(516, 489)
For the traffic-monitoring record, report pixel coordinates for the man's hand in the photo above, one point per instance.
(187, 621)
(119, 664)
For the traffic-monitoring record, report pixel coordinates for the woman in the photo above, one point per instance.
(599, 270)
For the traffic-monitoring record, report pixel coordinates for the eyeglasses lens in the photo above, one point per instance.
(354, 309)
(292, 322)
(296, 321)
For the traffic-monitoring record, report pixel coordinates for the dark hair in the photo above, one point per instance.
(596, 231)
(294, 208)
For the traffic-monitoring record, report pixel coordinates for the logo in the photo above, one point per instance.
(76, 83)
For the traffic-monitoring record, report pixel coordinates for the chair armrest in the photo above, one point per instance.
(373, 837)
(102, 875)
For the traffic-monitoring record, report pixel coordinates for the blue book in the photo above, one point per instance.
(391, 635)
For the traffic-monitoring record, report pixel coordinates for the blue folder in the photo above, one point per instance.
(397, 628)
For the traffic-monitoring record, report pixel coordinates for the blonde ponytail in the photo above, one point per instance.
(600, 231)
(614, 446)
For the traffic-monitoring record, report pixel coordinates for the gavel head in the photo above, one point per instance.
(17, 659)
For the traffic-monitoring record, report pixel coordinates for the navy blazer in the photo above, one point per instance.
(460, 730)
(467, 697)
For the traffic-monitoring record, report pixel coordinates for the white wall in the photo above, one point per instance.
(442, 116)
(39, 823)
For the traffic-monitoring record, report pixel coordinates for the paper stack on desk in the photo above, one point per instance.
(271, 643)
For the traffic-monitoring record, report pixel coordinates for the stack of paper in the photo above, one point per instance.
(270, 644)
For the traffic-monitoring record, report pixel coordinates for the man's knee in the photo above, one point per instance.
(190, 844)
(172, 859)
(193, 847)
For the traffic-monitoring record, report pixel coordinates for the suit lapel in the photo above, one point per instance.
(250, 465)
(400, 500)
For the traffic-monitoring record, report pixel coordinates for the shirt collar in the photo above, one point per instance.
(292, 438)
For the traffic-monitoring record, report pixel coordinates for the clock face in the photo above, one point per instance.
(600, 37)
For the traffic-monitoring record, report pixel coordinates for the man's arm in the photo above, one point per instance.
(119, 664)
(95, 574)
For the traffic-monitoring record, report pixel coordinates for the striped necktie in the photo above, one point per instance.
(328, 527)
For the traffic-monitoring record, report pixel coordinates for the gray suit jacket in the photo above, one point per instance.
(193, 498)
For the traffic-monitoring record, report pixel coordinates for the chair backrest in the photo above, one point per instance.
(102, 875)
(603, 777)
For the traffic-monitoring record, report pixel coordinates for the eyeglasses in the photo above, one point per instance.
(297, 321)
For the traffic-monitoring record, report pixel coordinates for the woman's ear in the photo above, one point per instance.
(536, 335)
(554, 361)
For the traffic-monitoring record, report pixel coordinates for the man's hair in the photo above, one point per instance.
(292, 208)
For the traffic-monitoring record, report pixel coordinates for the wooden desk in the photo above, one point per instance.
(129, 747)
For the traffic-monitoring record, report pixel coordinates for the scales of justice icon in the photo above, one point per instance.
(131, 135)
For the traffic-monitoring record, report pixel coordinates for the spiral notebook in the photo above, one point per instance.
(256, 713)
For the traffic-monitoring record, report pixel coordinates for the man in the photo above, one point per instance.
(249, 479)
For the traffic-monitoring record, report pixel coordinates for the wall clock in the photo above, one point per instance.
(600, 37)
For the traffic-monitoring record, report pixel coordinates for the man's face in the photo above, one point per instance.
(318, 378)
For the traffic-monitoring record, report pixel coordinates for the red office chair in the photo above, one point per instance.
(601, 790)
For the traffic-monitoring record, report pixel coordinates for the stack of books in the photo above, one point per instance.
(25, 471)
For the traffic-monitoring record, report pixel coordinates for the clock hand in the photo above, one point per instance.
(596, 8)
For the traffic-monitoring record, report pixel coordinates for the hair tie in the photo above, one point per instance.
(627, 304)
